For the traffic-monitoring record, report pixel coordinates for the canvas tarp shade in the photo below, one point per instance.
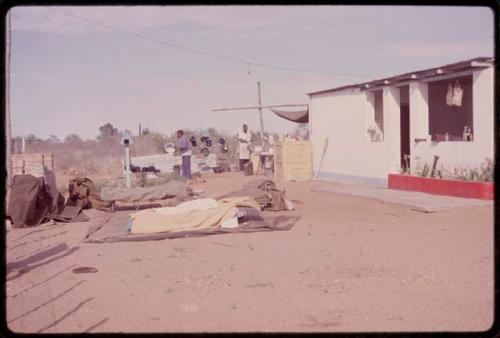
(57, 197)
(30, 202)
(300, 116)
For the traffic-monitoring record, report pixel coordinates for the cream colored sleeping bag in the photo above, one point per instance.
(192, 215)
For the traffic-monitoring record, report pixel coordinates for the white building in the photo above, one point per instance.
(371, 126)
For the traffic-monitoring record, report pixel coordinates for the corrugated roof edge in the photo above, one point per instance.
(405, 76)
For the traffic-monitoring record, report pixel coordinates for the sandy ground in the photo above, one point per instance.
(349, 264)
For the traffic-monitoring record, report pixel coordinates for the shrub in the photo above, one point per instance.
(425, 170)
(486, 171)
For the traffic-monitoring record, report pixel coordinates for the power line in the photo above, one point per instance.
(199, 52)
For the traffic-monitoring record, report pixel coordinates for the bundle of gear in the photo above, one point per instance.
(454, 95)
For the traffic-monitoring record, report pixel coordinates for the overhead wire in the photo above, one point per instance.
(203, 53)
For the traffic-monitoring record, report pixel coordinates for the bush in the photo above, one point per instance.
(486, 171)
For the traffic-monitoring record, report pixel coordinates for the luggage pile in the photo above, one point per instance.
(36, 200)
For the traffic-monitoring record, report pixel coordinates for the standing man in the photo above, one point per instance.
(184, 149)
(244, 139)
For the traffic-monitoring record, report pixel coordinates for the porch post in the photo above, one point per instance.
(419, 120)
(392, 132)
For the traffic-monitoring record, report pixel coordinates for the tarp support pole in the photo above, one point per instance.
(260, 116)
(127, 165)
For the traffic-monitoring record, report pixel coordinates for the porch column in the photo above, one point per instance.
(482, 110)
(392, 132)
(419, 118)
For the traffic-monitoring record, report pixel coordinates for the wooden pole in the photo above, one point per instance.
(260, 117)
(127, 166)
(7, 104)
(325, 147)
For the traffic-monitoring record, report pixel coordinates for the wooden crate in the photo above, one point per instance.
(255, 158)
(32, 164)
(292, 160)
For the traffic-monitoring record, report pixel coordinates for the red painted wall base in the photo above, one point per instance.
(436, 186)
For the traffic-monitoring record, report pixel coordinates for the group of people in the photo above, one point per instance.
(185, 151)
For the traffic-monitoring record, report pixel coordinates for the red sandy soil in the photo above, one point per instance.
(349, 264)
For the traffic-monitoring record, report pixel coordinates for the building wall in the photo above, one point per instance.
(454, 153)
(344, 116)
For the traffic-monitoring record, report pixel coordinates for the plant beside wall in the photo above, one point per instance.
(459, 182)
(485, 172)
(425, 170)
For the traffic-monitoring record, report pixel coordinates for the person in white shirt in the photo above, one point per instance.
(244, 139)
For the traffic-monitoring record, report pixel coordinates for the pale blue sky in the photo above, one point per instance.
(71, 76)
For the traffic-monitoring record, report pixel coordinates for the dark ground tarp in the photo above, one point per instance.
(300, 116)
(109, 227)
(113, 227)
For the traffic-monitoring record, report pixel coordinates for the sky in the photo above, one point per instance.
(73, 69)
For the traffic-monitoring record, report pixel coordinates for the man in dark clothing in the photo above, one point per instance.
(184, 148)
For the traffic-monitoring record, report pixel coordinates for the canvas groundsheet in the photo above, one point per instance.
(109, 227)
(264, 192)
(171, 189)
(250, 189)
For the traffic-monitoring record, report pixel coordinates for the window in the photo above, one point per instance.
(450, 118)
(375, 127)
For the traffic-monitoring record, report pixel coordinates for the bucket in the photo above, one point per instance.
(177, 169)
(248, 168)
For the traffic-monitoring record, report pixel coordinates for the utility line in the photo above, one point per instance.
(195, 51)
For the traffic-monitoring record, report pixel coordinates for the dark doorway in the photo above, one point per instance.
(404, 104)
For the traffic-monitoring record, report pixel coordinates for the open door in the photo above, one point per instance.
(404, 103)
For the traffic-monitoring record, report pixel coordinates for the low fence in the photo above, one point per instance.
(33, 164)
